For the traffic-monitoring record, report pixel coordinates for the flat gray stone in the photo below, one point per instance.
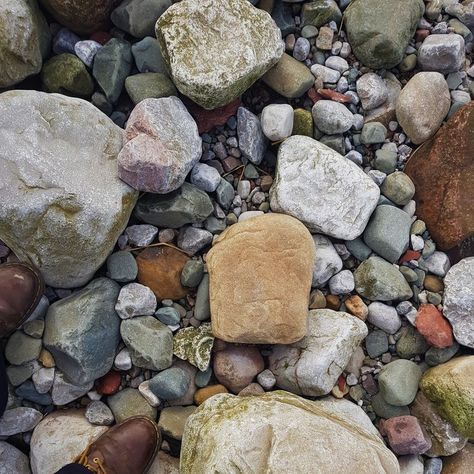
(129, 402)
(18, 420)
(442, 53)
(98, 413)
(252, 141)
(21, 348)
(65, 392)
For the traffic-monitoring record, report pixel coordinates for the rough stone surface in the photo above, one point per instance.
(328, 193)
(65, 392)
(378, 280)
(460, 462)
(194, 345)
(246, 306)
(135, 300)
(459, 301)
(252, 141)
(233, 44)
(332, 117)
(376, 42)
(450, 387)
(372, 90)
(13, 460)
(312, 365)
(442, 53)
(82, 331)
(24, 41)
(162, 145)
(129, 402)
(51, 183)
(327, 262)
(444, 180)
(149, 85)
(59, 438)
(398, 382)
(284, 433)
(422, 105)
(19, 420)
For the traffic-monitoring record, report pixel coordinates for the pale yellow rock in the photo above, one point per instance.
(59, 438)
(164, 464)
(260, 273)
(279, 432)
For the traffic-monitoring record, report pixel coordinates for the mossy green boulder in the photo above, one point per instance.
(303, 123)
(216, 49)
(67, 74)
(24, 40)
(450, 387)
(320, 12)
(379, 30)
(149, 85)
(280, 432)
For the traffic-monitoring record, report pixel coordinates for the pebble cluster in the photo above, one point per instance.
(233, 197)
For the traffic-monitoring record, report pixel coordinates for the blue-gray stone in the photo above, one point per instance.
(373, 132)
(283, 16)
(28, 391)
(122, 267)
(64, 41)
(202, 309)
(202, 378)
(82, 331)
(225, 193)
(385, 161)
(376, 343)
(148, 57)
(388, 232)
(192, 273)
(170, 384)
(358, 249)
(168, 315)
(435, 356)
(433, 466)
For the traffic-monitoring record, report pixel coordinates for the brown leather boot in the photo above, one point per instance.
(21, 288)
(127, 448)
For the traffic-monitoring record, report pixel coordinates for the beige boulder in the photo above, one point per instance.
(59, 438)
(260, 273)
(280, 432)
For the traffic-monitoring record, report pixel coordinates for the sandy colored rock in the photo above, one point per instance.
(24, 40)
(280, 432)
(422, 105)
(81, 16)
(203, 394)
(160, 269)
(58, 155)
(450, 386)
(461, 462)
(442, 170)
(260, 274)
(216, 49)
(59, 438)
(164, 464)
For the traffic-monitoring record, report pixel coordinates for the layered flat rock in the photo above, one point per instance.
(24, 41)
(265, 303)
(281, 432)
(216, 49)
(54, 212)
(376, 42)
(312, 365)
(162, 145)
(444, 180)
(328, 193)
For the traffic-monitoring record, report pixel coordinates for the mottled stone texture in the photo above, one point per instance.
(216, 49)
(442, 170)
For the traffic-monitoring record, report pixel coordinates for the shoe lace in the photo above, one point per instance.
(82, 460)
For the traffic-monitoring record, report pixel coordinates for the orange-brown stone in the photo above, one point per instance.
(160, 269)
(203, 394)
(442, 170)
(431, 324)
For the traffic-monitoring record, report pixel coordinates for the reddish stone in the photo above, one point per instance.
(442, 170)
(231, 163)
(208, 119)
(431, 324)
(101, 37)
(236, 366)
(421, 35)
(109, 383)
(335, 96)
(341, 383)
(313, 95)
(409, 255)
(266, 182)
(369, 384)
(405, 435)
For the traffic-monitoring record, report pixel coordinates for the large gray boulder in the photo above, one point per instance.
(312, 366)
(82, 331)
(24, 40)
(62, 205)
(216, 49)
(328, 193)
(281, 432)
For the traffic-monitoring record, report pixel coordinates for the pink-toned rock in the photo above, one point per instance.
(405, 435)
(162, 145)
(208, 119)
(235, 367)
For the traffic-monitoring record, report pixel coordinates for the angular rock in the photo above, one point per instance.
(187, 205)
(51, 185)
(442, 53)
(82, 331)
(372, 91)
(327, 262)
(320, 13)
(159, 268)
(458, 305)
(405, 435)
(148, 57)
(252, 141)
(444, 181)
(24, 41)
(450, 387)
(173, 419)
(386, 112)
(277, 121)
(59, 438)
(205, 177)
(192, 240)
(246, 305)
(98, 413)
(398, 187)
(376, 42)
(65, 392)
(328, 193)
(135, 300)
(229, 432)
(81, 16)
(378, 280)
(162, 145)
(422, 105)
(170, 384)
(194, 345)
(233, 44)
(312, 365)
(150, 342)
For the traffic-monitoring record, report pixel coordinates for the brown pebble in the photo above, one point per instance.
(266, 183)
(433, 283)
(251, 389)
(46, 359)
(333, 302)
(203, 394)
(317, 300)
(357, 307)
